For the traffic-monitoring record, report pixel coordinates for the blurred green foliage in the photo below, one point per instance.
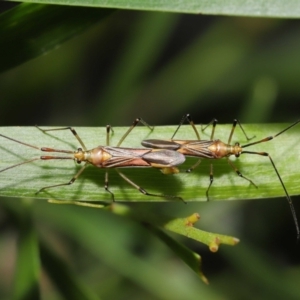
(157, 66)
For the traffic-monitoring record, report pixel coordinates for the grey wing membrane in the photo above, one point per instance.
(161, 144)
(140, 157)
(164, 157)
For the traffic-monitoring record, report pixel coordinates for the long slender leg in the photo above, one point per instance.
(108, 130)
(190, 120)
(66, 128)
(143, 191)
(188, 117)
(92, 204)
(106, 187)
(278, 175)
(67, 183)
(194, 166)
(211, 180)
(135, 122)
(238, 172)
(214, 124)
(232, 131)
(282, 184)
(235, 121)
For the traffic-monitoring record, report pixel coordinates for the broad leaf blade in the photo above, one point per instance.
(110, 239)
(69, 285)
(32, 30)
(27, 273)
(261, 8)
(192, 259)
(25, 180)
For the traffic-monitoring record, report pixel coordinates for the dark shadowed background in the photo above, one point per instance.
(159, 66)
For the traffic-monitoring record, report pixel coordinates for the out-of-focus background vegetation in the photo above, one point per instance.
(158, 66)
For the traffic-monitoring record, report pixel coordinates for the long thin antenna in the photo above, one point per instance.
(269, 138)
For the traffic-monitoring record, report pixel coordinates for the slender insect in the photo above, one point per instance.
(216, 149)
(109, 157)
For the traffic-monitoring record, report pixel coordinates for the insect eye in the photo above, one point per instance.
(237, 149)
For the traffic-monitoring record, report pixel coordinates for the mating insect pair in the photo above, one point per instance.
(162, 154)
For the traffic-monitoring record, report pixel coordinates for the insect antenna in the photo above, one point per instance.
(19, 142)
(269, 138)
(19, 164)
(45, 149)
(23, 162)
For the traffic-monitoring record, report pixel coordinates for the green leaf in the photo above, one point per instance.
(263, 270)
(69, 285)
(184, 226)
(32, 30)
(25, 180)
(259, 8)
(112, 240)
(192, 259)
(27, 273)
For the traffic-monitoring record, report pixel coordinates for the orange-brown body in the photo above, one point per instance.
(121, 157)
(203, 149)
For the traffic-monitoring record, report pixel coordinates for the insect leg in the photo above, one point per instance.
(143, 191)
(238, 172)
(66, 128)
(68, 183)
(235, 121)
(108, 129)
(189, 170)
(189, 118)
(214, 124)
(211, 180)
(135, 122)
(282, 184)
(106, 187)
